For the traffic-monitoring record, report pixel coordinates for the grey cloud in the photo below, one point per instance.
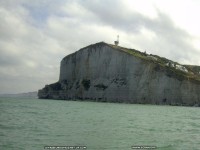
(32, 48)
(9, 60)
(29, 58)
(115, 14)
(170, 41)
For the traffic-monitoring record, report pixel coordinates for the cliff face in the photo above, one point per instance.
(103, 72)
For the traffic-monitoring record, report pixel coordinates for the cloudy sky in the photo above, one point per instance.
(36, 34)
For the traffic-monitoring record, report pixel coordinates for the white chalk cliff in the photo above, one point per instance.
(108, 73)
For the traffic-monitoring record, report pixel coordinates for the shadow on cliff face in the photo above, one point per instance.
(86, 84)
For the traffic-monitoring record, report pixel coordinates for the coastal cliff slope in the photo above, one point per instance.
(109, 73)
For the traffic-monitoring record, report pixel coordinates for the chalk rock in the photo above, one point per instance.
(108, 73)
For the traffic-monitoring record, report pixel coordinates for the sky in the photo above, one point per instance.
(36, 34)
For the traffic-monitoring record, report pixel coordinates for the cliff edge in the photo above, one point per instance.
(108, 73)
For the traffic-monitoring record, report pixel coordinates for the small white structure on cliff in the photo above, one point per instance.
(117, 42)
(171, 64)
(176, 66)
(182, 68)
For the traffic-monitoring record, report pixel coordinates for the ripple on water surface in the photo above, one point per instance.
(33, 124)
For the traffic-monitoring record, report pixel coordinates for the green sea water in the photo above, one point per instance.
(32, 124)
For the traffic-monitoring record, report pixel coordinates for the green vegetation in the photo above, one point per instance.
(161, 63)
(131, 51)
(192, 73)
(194, 69)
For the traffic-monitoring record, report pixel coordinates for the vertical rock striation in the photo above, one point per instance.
(107, 73)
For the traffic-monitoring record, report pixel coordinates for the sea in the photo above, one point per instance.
(36, 124)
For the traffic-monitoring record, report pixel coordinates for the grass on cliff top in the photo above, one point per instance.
(158, 62)
(142, 55)
(193, 73)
